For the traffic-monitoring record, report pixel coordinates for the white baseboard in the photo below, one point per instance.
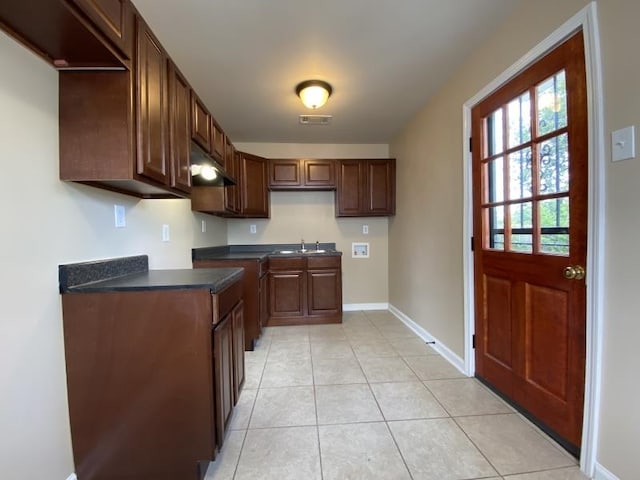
(72, 477)
(439, 347)
(602, 473)
(354, 307)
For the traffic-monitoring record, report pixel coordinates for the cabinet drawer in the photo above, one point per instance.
(293, 263)
(324, 262)
(226, 300)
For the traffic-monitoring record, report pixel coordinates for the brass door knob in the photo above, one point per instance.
(575, 272)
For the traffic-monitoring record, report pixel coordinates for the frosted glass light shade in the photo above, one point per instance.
(314, 93)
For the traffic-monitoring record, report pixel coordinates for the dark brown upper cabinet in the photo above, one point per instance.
(366, 188)
(180, 129)
(301, 174)
(249, 198)
(115, 126)
(73, 33)
(200, 123)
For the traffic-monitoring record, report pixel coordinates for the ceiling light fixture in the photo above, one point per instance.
(314, 93)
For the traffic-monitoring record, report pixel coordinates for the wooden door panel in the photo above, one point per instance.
(380, 185)
(349, 191)
(179, 114)
(287, 294)
(546, 339)
(498, 320)
(152, 106)
(324, 292)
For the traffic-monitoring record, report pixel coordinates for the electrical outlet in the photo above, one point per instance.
(365, 229)
(203, 226)
(120, 216)
(252, 228)
(166, 233)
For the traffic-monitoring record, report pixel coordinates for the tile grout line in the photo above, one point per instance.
(476, 446)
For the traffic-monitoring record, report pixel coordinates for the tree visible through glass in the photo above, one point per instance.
(530, 177)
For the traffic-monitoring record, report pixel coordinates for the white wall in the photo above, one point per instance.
(45, 223)
(311, 215)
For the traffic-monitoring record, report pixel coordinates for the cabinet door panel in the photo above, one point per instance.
(112, 18)
(255, 197)
(152, 106)
(324, 292)
(284, 173)
(238, 350)
(380, 187)
(319, 174)
(286, 297)
(223, 376)
(218, 143)
(200, 123)
(179, 115)
(264, 301)
(349, 191)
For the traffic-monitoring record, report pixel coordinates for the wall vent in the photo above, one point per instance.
(315, 119)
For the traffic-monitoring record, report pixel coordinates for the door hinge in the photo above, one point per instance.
(473, 247)
(473, 341)
(471, 144)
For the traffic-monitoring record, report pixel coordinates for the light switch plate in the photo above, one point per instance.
(623, 144)
(166, 233)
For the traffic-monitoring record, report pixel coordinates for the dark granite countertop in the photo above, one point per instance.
(132, 274)
(260, 252)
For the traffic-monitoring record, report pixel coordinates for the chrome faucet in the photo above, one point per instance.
(317, 245)
(302, 245)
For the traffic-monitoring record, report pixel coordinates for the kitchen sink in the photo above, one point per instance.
(299, 252)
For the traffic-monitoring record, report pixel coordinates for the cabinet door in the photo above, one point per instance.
(324, 292)
(218, 143)
(264, 301)
(112, 18)
(232, 203)
(223, 375)
(349, 189)
(152, 106)
(255, 197)
(287, 294)
(200, 123)
(380, 185)
(285, 174)
(319, 174)
(238, 349)
(179, 117)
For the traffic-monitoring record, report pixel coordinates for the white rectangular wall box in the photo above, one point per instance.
(365, 229)
(166, 233)
(120, 216)
(252, 228)
(623, 144)
(359, 250)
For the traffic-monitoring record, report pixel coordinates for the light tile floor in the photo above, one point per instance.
(368, 400)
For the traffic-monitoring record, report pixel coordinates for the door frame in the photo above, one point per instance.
(586, 19)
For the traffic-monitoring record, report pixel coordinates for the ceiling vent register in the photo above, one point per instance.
(315, 119)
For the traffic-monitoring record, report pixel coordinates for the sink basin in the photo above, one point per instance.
(286, 252)
(299, 252)
(315, 251)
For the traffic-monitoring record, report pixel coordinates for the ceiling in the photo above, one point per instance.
(384, 59)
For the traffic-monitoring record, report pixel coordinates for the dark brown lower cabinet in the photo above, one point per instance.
(305, 290)
(151, 378)
(253, 269)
